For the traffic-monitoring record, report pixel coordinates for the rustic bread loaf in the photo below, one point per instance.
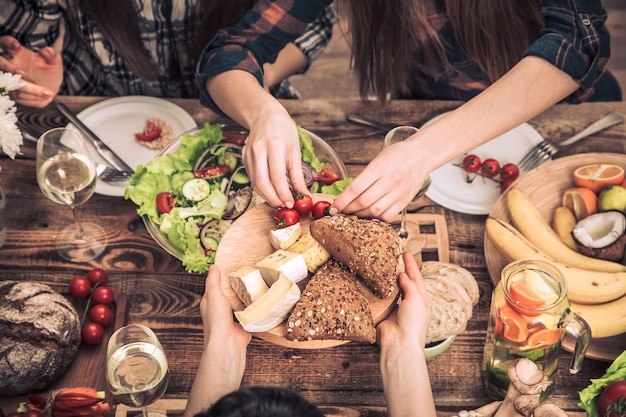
(369, 248)
(451, 272)
(39, 336)
(332, 306)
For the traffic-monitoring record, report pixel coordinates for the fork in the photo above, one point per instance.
(544, 150)
(107, 174)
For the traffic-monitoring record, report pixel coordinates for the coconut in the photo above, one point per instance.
(602, 235)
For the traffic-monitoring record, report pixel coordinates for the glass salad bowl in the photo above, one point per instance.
(323, 151)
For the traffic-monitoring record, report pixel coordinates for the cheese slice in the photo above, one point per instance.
(314, 254)
(272, 308)
(285, 237)
(289, 263)
(248, 284)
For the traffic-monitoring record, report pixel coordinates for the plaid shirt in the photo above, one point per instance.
(574, 40)
(92, 67)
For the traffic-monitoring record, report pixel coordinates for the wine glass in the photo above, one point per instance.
(136, 367)
(66, 174)
(408, 232)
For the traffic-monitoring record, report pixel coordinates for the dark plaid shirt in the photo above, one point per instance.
(574, 40)
(92, 67)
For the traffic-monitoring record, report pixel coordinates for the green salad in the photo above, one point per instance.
(195, 192)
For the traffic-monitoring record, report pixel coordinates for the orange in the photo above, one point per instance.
(546, 337)
(525, 299)
(515, 327)
(582, 201)
(598, 176)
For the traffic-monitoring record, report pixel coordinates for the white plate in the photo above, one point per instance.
(116, 121)
(449, 187)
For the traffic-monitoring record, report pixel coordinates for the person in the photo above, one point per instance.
(401, 336)
(508, 61)
(112, 48)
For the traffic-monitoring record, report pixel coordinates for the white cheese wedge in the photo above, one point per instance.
(248, 284)
(314, 254)
(272, 308)
(289, 263)
(285, 237)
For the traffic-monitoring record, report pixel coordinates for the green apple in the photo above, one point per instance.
(612, 197)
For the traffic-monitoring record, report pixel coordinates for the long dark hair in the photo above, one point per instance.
(262, 402)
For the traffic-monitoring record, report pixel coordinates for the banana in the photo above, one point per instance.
(563, 222)
(583, 286)
(605, 320)
(530, 223)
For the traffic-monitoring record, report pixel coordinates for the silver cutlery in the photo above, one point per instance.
(368, 122)
(545, 150)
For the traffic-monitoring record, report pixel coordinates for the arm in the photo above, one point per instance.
(223, 360)
(402, 338)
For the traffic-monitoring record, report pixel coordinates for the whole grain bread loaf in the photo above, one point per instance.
(39, 336)
(368, 247)
(332, 306)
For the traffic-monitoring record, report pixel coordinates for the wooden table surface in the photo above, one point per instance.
(161, 295)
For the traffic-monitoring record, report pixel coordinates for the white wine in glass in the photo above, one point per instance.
(408, 232)
(136, 367)
(66, 175)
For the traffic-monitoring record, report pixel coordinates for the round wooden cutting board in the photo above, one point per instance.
(545, 185)
(247, 241)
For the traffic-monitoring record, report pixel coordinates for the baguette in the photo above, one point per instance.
(332, 306)
(451, 272)
(368, 247)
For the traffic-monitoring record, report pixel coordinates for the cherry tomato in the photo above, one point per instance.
(471, 163)
(103, 295)
(490, 167)
(509, 172)
(506, 184)
(165, 202)
(31, 413)
(236, 138)
(151, 132)
(612, 400)
(79, 287)
(101, 314)
(327, 176)
(285, 217)
(303, 204)
(320, 209)
(97, 276)
(92, 333)
(212, 171)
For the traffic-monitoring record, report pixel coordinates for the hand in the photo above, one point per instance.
(42, 72)
(386, 185)
(273, 160)
(406, 327)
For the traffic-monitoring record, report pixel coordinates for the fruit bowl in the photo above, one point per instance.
(323, 151)
(545, 185)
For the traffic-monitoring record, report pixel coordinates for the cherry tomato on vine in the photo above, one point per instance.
(302, 204)
(103, 295)
(509, 172)
(79, 287)
(92, 333)
(101, 314)
(165, 202)
(490, 167)
(505, 184)
(285, 217)
(613, 399)
(327, 176)
(320, 209)
(471, 163)
(97, 276)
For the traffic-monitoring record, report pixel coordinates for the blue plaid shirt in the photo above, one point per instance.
(574, 40)
(92, 67)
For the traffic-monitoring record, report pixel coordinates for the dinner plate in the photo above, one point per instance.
(247, 241)
(116, 121)
(544, 185)
(449, 187)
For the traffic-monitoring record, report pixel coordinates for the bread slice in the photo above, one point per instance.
(451, 272)
(332, 306)
(368, 247)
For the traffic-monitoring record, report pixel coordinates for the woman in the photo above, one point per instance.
(113, 48)
(509, 60)
(402, 336)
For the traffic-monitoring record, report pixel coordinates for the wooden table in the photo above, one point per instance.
(161, 295)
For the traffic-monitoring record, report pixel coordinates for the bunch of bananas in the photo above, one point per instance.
(596, 288)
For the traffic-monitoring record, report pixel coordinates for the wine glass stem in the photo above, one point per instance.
(144, 411)
(403, 233)
(80, 233)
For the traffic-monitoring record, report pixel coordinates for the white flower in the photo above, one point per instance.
(10, 135)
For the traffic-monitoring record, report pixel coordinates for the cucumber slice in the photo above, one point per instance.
(241, 177)
(196, 189)
(179, 179)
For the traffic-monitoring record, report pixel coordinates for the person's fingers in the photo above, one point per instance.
(48, 54)
(10, 66)
(9, 44)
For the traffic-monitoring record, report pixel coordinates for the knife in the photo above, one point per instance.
(100, 146)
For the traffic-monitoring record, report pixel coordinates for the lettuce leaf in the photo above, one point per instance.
(589, 396)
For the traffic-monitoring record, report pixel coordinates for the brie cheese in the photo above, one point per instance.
(248, 284)
(285, 237)
(289, 263)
